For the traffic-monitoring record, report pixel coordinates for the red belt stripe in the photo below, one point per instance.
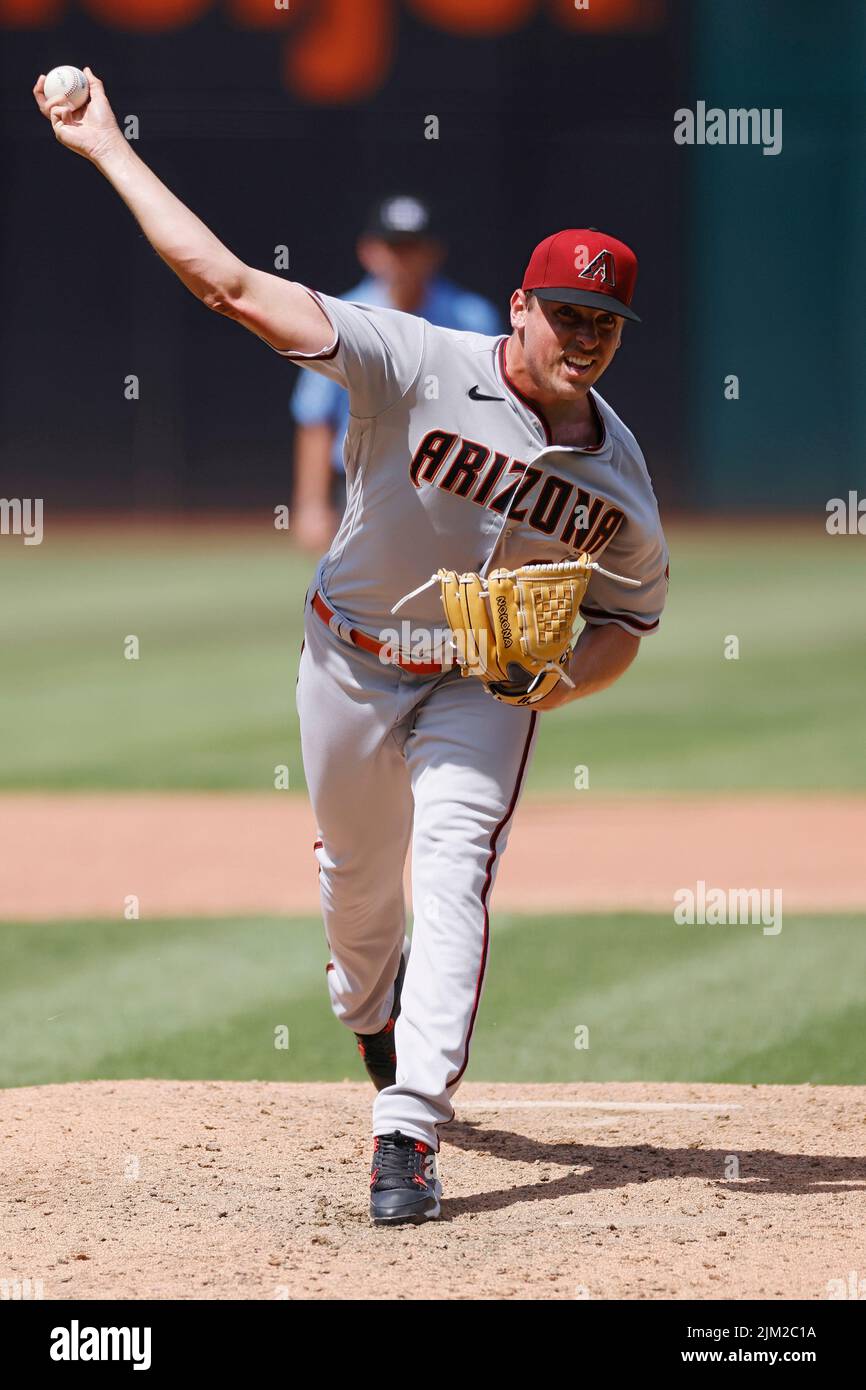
(323, 610)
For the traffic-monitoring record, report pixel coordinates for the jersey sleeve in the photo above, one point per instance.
(375, 353)
(316, 400)
(637, 551)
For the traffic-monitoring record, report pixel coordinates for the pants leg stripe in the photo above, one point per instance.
(488, 877)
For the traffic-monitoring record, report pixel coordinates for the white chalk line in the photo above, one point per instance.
(639, 1105)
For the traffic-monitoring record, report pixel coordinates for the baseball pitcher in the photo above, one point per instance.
(494, 498)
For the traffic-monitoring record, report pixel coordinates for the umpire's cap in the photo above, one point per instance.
(400, 217)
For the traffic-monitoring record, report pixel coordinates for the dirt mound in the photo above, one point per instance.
(160, 1189)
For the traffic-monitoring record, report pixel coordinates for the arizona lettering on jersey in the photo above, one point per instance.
(448, 465)
(548, 503)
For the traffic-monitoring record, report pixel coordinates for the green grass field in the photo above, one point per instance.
(189, 999)
(210, 702)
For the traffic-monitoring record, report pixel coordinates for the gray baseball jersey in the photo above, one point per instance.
(447, 466)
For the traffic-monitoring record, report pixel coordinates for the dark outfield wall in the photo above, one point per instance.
(544, 127)
(559, 118)
(776, 261)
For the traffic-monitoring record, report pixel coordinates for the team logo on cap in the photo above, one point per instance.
(602, 268)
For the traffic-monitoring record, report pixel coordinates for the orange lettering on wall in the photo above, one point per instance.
(30, 14)
(263, 14)
(609, 15)
(476, 16)
(146, 16)
(344, 48)
(343, 53)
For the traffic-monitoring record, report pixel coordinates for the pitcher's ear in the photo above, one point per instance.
(520, 307)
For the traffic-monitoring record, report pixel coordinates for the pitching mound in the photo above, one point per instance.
(160, 1189)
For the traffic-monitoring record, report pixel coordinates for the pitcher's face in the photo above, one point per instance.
(566, 347)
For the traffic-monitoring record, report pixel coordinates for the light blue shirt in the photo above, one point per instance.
(319, 401)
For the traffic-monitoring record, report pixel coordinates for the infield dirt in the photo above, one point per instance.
(225, 1190)
(71, 855)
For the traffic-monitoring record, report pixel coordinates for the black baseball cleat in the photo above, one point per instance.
(377, 1049)
(404, 1184)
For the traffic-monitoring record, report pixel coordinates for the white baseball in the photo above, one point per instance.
(69, 83)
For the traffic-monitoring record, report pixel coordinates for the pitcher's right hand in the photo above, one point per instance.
(91, 129)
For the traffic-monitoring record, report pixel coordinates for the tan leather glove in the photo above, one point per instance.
(515, 629)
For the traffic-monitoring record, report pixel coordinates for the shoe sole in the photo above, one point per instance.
(414, 1217)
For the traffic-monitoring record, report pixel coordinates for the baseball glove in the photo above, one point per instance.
(514, 630)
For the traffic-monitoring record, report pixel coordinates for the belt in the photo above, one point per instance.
(342, 629)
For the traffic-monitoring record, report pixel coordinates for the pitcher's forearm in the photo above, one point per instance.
(281, 312)
(212, 272)
(601, 655)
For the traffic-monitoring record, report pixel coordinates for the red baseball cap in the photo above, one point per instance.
(584, 266)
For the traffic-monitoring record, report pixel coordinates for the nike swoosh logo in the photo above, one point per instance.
(476, 395)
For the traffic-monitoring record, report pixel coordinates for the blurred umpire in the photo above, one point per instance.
(401, 254)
